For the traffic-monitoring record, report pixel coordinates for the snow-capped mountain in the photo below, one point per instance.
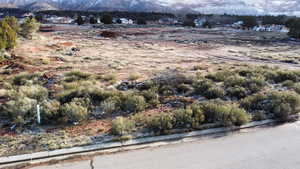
(290, 7)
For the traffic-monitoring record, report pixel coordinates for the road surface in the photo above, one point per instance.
(269, 148)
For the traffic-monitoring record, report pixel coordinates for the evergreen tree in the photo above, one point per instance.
(29, 27)
(93, 20)
(80, 20)
(8, 36)
(13, 23)
(107, 19)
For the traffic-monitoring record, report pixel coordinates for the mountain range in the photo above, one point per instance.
(254, 7)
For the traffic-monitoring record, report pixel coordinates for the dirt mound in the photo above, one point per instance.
(109, 34)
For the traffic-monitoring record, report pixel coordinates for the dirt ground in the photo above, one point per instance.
(149, 50)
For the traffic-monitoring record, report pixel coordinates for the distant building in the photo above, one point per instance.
(271, 28)
(238, 24)
(59, 20)
(199, 22)
(168, 21)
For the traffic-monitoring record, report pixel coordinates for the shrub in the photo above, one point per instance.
(26, 78)
(296, 88)
(226, 115)
(50, 111)
(151, 97)
(192, 116)
(255, 84)
(161, 123)
(284, 104)
(214, 93)
(36, 92)
(237, 92)
(112, 78)
(234, 81)
(259, 115)
(184, 118)
(111, 105)
(122, 126)
(76, 76)
(280, 104)
(134, 76)
(220, 76)
(202, 86)
(20, 110)
(255, 102)
(75, 111)
(288, 83)
(132, 103)
(29, 27)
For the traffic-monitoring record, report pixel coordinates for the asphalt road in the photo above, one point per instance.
(269, 148)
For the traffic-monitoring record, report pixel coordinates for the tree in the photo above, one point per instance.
(249, 21)
(93, 20)
(8, 37)
(107, 19)
(294, 26)
(29, 27)
(80, 20)
(119, 21)
(141, 21)
(13, 23)
(189, 23)
(207, 24)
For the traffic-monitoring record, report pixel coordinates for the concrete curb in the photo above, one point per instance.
(138, 141)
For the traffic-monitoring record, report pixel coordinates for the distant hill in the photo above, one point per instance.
(290, 7)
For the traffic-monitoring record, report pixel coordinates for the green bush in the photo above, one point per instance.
(50, 111)
(237, 92)
(79, 20)
(284, 104)
(214, 93)
(220, 76)
(75, 111)
(27, 78)
(255, 102)
(288, 83)
(111, 105)
(191, 117)
(151, 96)
(184, 118)
(132, 103)
(280, 104)
(161, 123)
(202, 86)
(234, 81)
(122, 126)
(259, 115)
(76, 76)
(20, 110)
(36, 92)
(226, 115)
(296, 88)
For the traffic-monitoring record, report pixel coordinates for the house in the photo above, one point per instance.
(126, 21)
(167, 21)
(199, 22)
(238, 24)
(271, 28)
(59, 20)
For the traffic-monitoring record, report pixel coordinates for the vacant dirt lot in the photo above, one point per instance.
(153, 49)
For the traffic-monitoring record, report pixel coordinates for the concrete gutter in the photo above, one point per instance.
(138, 141)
